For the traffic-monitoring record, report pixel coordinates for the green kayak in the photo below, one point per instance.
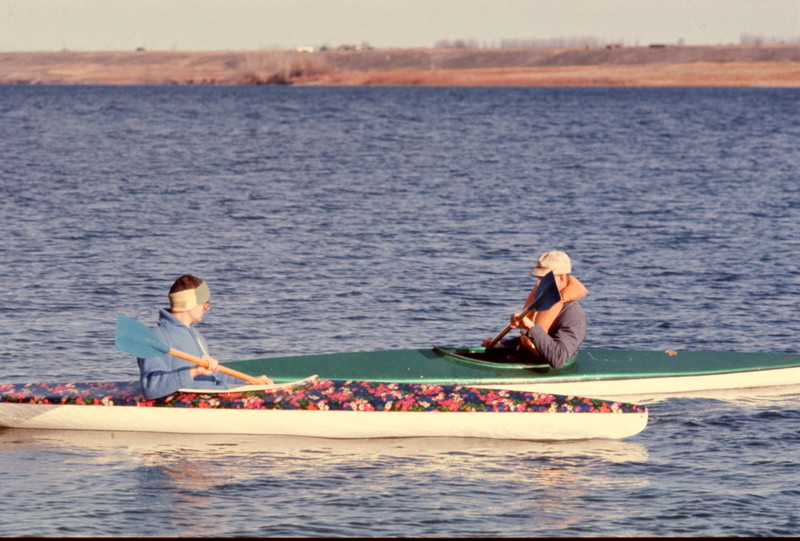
(598, 373)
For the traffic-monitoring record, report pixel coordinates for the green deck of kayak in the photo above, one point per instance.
(433, 366)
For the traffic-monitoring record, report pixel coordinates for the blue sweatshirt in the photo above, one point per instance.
(162, 376)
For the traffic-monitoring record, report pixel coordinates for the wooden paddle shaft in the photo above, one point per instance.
(508, 328)
(223, 369)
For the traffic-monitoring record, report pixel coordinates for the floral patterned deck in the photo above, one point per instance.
(318, 394)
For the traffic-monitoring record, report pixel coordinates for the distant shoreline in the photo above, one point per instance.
(735, 66)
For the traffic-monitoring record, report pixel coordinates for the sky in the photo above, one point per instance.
(189, 25)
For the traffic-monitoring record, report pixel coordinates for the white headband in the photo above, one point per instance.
(185, 300)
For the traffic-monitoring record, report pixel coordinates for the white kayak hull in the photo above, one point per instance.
(774, 381)
(321, 408)
(327, 424)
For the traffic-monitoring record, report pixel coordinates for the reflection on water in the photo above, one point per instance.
(197, 484)
(180, 490)
(167, 448)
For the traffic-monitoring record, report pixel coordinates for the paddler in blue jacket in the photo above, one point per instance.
(555, 335)
(189, 299)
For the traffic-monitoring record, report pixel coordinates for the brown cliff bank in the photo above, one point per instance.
(745, 65)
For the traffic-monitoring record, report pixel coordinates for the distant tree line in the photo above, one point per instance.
(744, 39)
(755, 39)
(520, 43)
(552, 42)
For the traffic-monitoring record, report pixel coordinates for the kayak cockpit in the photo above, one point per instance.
(501, 357)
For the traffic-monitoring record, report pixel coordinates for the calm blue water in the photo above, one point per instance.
(350, 219)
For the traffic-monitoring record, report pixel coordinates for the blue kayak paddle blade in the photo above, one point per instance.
(547, 293)
(135, 339)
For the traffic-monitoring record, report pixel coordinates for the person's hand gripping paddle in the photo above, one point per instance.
(546, 296)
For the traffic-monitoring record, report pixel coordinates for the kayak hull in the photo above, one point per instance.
(662, 386)
(600, 373)
(336, 424)
(321, 408)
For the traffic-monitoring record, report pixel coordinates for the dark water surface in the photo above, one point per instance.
(351, 219)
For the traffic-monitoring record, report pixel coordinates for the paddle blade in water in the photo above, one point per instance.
(547, 293)
(135, 339)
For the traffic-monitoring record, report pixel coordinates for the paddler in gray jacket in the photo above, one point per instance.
(555, 335)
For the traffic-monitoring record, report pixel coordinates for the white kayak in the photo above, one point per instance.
(321, 408)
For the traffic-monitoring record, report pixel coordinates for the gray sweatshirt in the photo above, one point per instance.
(566, 335)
